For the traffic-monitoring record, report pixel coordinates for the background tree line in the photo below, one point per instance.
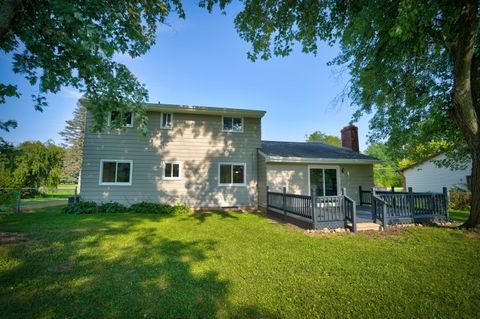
(34, 164)
(388, 173)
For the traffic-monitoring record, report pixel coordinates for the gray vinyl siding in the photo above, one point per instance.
(262, 182)
(195, 140)
(294, 177)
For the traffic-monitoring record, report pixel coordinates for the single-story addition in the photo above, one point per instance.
(426, 176)
(303, 167)
(210, 157)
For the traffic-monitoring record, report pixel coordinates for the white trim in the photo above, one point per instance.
(115, 183)
(310, 160)
(161, 121)
(233, 117)
(127, 125)
(231, 174)
(336, 167)
(179, 171)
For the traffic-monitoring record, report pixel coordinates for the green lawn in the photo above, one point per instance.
(459, 215)
(229, 265)
(55, 195)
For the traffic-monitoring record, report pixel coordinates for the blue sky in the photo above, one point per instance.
(203, 61)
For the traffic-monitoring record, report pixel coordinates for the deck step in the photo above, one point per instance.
(368, 226)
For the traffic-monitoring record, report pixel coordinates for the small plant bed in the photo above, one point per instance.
(117, 208)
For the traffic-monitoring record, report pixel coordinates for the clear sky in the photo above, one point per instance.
(203, 61)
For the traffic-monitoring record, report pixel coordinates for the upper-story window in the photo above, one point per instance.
(125, 117)
(232, 124)
(166, 120)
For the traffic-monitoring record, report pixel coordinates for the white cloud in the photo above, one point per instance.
(72, 93)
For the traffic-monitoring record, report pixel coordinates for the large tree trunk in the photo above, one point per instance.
(474, 219)
(466, 96)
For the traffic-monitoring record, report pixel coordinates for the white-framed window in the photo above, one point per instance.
(232, 174)
(125, 117)
(324, 179)
(166, 120)
(172, 170)
(116, 172)
(232, 124)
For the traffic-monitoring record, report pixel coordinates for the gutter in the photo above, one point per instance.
(315, 160)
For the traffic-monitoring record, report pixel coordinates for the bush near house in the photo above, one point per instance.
(460, 199)
(137, 208)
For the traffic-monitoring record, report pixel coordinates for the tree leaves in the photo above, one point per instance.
(72, 43)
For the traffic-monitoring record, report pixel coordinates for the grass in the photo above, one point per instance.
(54, 195)
(229, 265)
(459, 215)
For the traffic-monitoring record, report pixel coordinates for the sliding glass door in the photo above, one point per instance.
(324, 181)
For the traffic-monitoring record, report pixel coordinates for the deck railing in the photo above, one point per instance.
(365, 196)
(321, 211)
(409, 207)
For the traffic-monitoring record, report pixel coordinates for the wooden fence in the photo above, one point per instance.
(320, 211)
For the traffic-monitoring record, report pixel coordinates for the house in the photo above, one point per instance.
(209, 157)
(426, 176)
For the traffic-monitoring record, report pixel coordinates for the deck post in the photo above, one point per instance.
(446, 201)
(411, 203)
(360, 194)
(314, 206)
(384, 221)
(267, 198)
(284, 202)
(392, 189)
(76, 191)
(354, 218)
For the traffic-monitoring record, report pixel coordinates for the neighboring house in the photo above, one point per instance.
(213, 157)
(426, 176)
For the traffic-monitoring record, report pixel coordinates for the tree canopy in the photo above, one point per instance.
(415, 65)
(60, 43)
(320, 137)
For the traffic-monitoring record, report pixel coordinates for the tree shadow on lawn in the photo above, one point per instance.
(109, 272)
(202, 216)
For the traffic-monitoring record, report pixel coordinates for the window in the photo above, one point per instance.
(113, 172)
(324, 181)
(231, 174)
(171, 170)
(232, 124)
(126, 118)
(166, 120)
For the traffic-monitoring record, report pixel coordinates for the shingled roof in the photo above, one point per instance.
(312, 151)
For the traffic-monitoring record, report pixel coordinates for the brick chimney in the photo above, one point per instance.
(350, 138)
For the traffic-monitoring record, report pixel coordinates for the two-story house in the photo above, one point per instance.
(213, 157)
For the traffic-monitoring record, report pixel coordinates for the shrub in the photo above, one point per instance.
(181, 209)
(8, 200)
(111, 208)
(460, 199)
(158, 208)
(81, 208)
(149, 208)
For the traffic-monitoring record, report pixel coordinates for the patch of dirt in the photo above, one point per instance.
(63, 267)
(11, 238)
(30, 208)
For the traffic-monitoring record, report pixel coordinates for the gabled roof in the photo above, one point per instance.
(298, 152)
(208, 110)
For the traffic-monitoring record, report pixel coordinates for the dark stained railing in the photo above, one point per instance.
(321, 211)
(365, 196)
(350, 212)
(409, 207)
